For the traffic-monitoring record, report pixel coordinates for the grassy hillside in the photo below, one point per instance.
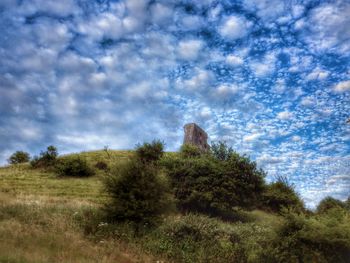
(23, 181)
(47, 218)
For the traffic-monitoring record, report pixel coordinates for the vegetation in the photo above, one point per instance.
(214, 186)
(46, 159)
(329, 203)
(280, 195)
(19, 157)
(73, 166)
(39, 212)
(137, 191)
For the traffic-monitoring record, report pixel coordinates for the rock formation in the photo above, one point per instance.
(195, 135)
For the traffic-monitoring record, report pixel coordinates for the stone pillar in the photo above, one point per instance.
(195, 135)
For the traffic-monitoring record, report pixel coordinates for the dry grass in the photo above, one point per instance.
(38, 213)
(47, 231)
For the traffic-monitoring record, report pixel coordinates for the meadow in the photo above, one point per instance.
(48, 218)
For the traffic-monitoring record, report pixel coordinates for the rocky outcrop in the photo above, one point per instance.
(195, 135)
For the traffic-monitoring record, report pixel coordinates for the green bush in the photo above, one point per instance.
(101, 165)
(321, 238)
(200, 239)
(138, 193)
(150, 152)
(281, 194)
(19, 157)
(221, 151)
(73, 166)
(207, 185)
(190, 151)
(46, 159)
(329, 203)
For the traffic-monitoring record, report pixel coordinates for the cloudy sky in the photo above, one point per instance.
(270, 77)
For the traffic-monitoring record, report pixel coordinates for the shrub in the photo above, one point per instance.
(19, 157)
(137, 191)
(189, 151)
(214, 187)
(46, 159)
(321, 238)
(221, 151)
(73, 166)
(281, 194)
(150, 152)
(101, 165)
(329, 203)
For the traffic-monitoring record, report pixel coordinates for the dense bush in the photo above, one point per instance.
(19, 157)
(138, 192)
(190, 151)
(321, 238)
(329, 203)
(73, 166)
(46, 159)
(101, 165)
(281, 194)
(221, 151)
(212, 186)
(150, 152)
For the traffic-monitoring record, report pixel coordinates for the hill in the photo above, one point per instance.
(47, 218)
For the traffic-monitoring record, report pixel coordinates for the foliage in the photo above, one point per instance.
(73, 166)
(281, 194)
(19, 157)
(321, 238)
(46, 159)
(150, 152)
(200, 239)
(137, 193)
(101, 165)
(221, 151)
(190, 151)
(207, 185)
(329, 203)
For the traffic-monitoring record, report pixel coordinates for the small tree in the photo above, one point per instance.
(221, 151)
(73, 166)
(190, 151)
(329, 203)
(19, 157)
(281, 194)
(138, 192)
(46, 159)
(150, 152)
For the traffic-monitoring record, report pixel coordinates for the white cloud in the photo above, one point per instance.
(234, 27)
(252, 137)
(342, 86)
(329, 25)
(264, 67)
(266, 9)
(308, 101)
(189, 49)
(161, 14)
(226, 90)
(284, 115)
(233, 60)
(317, 74)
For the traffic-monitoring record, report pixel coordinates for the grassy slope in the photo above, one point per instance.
(37, 212)
(38, 224)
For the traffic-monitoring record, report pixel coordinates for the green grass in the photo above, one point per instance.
(46, 218)
(22, 180)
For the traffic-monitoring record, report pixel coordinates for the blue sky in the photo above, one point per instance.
(270, 77)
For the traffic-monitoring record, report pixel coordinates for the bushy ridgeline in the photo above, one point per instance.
(172, 206)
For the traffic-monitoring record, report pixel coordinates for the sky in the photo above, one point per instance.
(269, 77)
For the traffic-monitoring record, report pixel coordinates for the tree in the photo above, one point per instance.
(19, 157)
(215, 186)
(281, 194)
(329, 203)
(138, 192)
(46, 159)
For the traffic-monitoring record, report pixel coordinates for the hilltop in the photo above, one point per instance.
(50, 218)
